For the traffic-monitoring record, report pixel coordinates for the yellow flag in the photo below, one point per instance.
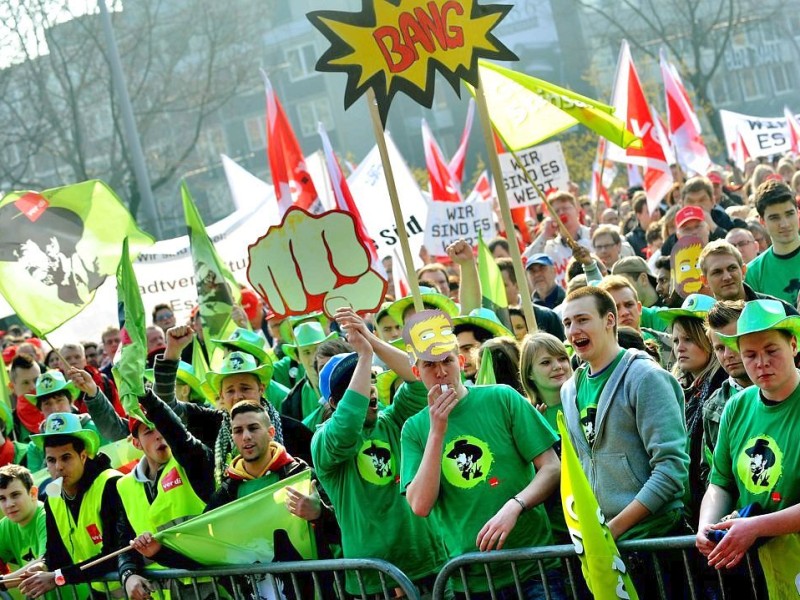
(601, 563)
(526, 110)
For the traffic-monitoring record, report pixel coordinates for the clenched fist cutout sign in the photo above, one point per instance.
(314, 262)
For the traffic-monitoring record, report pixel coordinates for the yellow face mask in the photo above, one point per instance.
(685, 265)
(428, 335)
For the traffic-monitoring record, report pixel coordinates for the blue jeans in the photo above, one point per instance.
(533, 589)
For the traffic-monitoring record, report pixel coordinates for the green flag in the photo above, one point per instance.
(128, 369)
(58, 246)
(485, 374)
(217, 290)
(601, 563)
(493, 290)
(5, 387)
(525, 110)
(242, 532)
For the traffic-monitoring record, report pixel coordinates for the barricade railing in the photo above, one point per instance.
(682, 569)
(302, 580)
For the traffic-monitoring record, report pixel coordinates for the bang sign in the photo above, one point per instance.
(393, 46)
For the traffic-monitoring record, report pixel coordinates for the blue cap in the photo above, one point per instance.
(540, 258)
(330, 376)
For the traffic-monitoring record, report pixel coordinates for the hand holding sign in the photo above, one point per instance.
(310, 263)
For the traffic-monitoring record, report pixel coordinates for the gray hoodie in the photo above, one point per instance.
(639, 449)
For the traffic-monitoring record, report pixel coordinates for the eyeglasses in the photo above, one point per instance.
(164, 316)
(744, 243)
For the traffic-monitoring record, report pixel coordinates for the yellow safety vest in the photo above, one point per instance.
(84, 539)
(174, 503)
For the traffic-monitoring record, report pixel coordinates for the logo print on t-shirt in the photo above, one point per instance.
(466, 461)
(376, 463)
(760, 464)
(171, 480)
(588, 418)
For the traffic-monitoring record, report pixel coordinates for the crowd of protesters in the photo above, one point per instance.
(681, 397)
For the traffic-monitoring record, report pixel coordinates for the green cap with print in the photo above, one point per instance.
(52, 382)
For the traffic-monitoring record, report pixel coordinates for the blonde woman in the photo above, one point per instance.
(544, 366)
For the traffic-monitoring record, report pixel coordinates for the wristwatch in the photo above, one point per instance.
(123, 577)
(59, 577)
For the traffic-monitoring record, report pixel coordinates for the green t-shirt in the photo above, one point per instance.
(21, 545)
(589, 388)
(777, 276)
(360, 470)
(757, 451)
(493, 435)
(651, 320)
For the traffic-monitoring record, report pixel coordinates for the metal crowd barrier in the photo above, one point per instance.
(697, 582)
(301, 580)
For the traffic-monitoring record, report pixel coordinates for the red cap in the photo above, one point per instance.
(9, 353)
(251, 303)
(689, 213)
(133, 423)
(714, 177)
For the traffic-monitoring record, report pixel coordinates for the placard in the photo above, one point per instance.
(545, 164)
(452, 221)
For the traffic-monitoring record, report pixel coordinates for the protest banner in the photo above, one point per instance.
(762, 136)
(388, 48)
(452, 221)
(545, 164)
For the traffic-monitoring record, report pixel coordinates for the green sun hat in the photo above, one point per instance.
(236, 363)
(67, 424)
(695, 306)
(383, 383)
(246, 341)
(430, 297)
(185, 374)
(289, 324)
(309, 333)
(762, 315)
(485, 319)
(52, 382)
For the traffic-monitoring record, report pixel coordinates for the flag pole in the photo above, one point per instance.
(505, 210)
(402, 234)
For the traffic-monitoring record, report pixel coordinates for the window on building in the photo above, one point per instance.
(721, 90)
(750, 84)
(311, 112)
(781, 76)
(301, 60)
(256, 130)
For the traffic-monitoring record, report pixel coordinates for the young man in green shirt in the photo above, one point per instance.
(624, 415)
(776, 271)
(479, 461)
(357, 457)
(757, 454)
(23, 536)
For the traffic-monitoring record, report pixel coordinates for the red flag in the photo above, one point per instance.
(444, 185)
(344, 199)
(399, 277)
(482, 191)
(684, 126)
(460, 157)
(740, 152)
(632, 106)
(794, 130)
(599, 188)
(292, 181)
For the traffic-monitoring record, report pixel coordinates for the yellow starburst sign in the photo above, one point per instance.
(397, 46)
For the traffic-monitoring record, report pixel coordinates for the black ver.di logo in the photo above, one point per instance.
(47, 249)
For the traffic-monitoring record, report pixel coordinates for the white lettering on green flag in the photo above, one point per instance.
(242, 532)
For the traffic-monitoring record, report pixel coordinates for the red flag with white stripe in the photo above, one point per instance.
(740, 152)
(444, 185)
(684, 126)
(344, 199)
(460, 157)
(600, 184)
(632, 106)
(482, 192)
(794, 130)
(292, 181)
